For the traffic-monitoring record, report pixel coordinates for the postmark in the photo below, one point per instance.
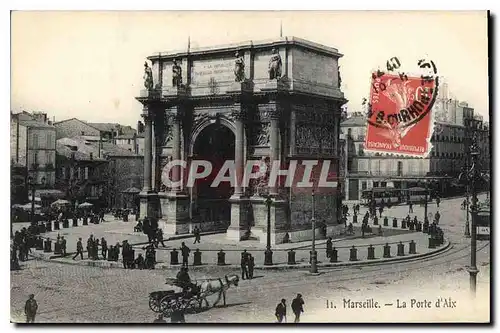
(399, 118)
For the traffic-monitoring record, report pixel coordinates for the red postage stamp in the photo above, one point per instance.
(400, 113)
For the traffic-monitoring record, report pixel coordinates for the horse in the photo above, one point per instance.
(213, 286)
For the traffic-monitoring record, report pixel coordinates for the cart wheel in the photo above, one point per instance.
(154, 304)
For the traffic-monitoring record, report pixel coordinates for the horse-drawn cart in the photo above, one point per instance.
(166, 301)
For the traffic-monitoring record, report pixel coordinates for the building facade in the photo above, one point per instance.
(81, 175)
(277, 100)
(367, 170)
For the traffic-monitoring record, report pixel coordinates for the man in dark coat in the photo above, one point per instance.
(63, 246)
(244, 263)
(297, 307)
(185, 254)
(104, 248)
(280, 312)
(159, 237)
(196, 233)
(329, 247)
(90, 242)
(251, 265)
(30, 309)
(79, 249)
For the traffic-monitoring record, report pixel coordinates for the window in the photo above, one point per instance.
(128, 141)
(363, 185)
(400, 168)
(35, 141)
(383, 184)
(375, 184)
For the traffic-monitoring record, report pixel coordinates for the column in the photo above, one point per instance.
(274, 143)
(159, 135)
(148, 149)
(176, 148)
(239, 151)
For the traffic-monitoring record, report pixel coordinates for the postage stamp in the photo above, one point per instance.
(400, 109)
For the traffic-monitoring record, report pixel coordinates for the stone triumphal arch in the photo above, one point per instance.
(267, 100)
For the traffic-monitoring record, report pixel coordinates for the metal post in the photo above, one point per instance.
(314, 255)
(426, 199)
(473, 177)
(467, 229)
(268, 255)
(33, 189)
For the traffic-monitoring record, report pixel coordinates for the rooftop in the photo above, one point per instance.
(268, 43)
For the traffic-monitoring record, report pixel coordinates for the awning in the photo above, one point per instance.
(49, 193)
(132, 190)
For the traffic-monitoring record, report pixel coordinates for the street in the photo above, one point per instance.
(71, 293)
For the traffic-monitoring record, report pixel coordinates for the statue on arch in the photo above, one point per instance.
(275, 65)
(239, 68)
(148, 77)
(176, 74)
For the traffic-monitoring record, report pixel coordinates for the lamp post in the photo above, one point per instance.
(32, 184)
(467, 230)
(474, 175)
(268, 255)
(314, 255)
(426, 199)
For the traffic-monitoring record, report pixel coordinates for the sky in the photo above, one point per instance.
(89, 65)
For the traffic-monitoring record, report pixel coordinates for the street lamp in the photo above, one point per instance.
(472, 176)
(32, 184)
(467, 230)
(314, 255)
(268, 255)
(426, 199)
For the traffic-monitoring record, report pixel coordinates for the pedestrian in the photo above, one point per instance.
(329, 247)
(297, 307)
(251, 265)
(104, 248)
(280, 312)
(244, 264)
(196, 233)
(159, 237)
(63, 246)
(355, 218)
(30, 309)
(410, 207)
(79, 249)
(438, 201)
(185, 254)
(381, 210)
(90, 242)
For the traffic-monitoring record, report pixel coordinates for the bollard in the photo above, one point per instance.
(401, 249)
(413, 248)
(48, 226)
(66, 223)
(395, 223)
(403, 224)
(386, 222)
(48, 246)
(174, 257)
(197, 258)
(431, 243)
(57, 248)
(353, 256)
(75, 223)
(39, 243)
(291, 257)
(371, 253)
(387, 250)
(221, 258)
(334, 256)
